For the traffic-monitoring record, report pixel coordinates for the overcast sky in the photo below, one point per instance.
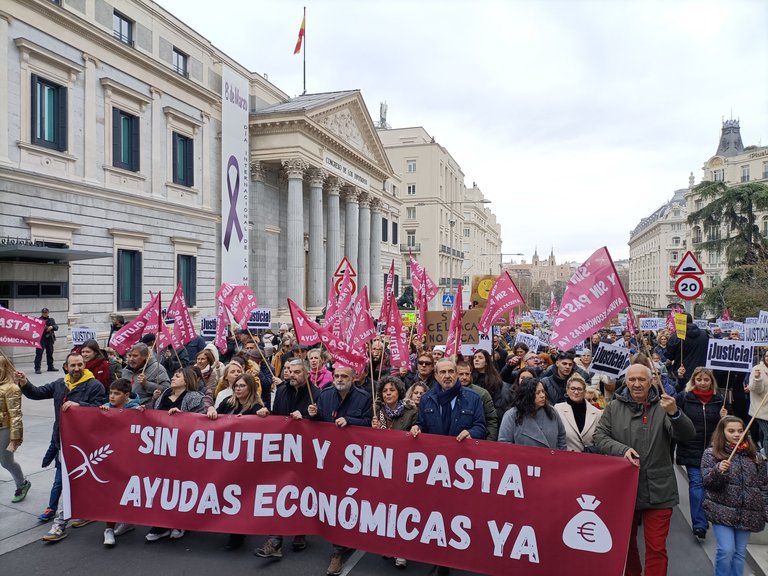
(576, 118)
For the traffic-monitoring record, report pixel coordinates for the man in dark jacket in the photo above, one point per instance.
(46, 342)
(145, 374)
(687, 354)
(292, 399)
(464, 372)
(344, 405)
(639, 424)
(77, 388)
(554, 384)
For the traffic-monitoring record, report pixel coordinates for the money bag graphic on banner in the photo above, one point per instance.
(586, 531)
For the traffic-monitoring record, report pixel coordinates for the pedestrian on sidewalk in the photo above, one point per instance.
(11, 428)
(736, 494)
(47, 341)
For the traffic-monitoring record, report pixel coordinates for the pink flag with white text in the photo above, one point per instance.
(147, 321)
(552, 310)
(183, 328)
(453, 342)
(239, 300)
(388, 293)
(222, 327)
(305, 328)
(424, 289)
(19, 330)
(167, 338)
(399, 355)
(593, 296)
(503, 296)
(342, 304)
(361, 329)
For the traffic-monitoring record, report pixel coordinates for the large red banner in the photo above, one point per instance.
(476, 505)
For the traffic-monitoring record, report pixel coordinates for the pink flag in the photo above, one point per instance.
(130, 334)
(594, 294)
(183, 328)
(239, 300)
(167, 338)
(222, 327)
(388, 293)
(19, 330)
(552, 310)
(424, 289)
(341, 351)
(399, 355)
(361, 329)
(671, 321)
(344, 303)
(503, 296)
(453, 342)
(305, 328)
(631, 322)
(726, 314)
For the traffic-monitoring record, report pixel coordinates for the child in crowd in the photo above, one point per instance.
(115, 365)
(736, 493)
(594, 397)
(119, 397)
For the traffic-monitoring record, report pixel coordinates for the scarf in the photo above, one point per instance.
(87, 375)
(444, 398)
(741, 448)
(392, 413)
(579, 412)
(705, 397)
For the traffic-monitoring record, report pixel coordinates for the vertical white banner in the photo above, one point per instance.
(235, 174)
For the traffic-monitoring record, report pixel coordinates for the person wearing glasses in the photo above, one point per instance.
(579, 417)
(425, 371)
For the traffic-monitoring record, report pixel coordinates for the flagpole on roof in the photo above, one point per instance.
(304, 55)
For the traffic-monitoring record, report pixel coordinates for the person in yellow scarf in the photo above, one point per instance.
(77, 388)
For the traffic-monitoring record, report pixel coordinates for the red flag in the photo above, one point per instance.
(399, 355)
(453, 342)
(342, 304)
(361, 329)
(301, 36)
(631, 322)
(424, 289)
(594, 295)
(222, 327)
(305, 328)
(503, 296)
(671, 320)
(183, 328)
(167, 338)
(19, 330)
(342, 351)
(726, 316)
(129, 334)
(552, 310)
(239, 300)
(388, 293)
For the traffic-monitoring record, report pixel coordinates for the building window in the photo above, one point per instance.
(125, 140)
(696, 235)
(676, 241)
(411, 189)
(765, 226)
(699, 204)
(718, 175)
(408, 272)
(396, 285)
(128, 279)
(745, 173)
(186, 273)
(410, 213)
(394, 233)
(180, 62)
(410, 166)
(410, 238)
(765, 169)
(183, 160)
(122, 28)
(714, 257)
(674, 256)
(384, 230)
(49, 114)
(466, 232)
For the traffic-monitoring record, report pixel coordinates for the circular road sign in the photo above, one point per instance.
(689, 287)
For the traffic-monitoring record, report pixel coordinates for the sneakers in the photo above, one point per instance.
(334, 568)
(21, 493)
(269, 550)
(299, 543)
(156, 534)
(177, 533)
(80, 523)
(109, 537)
(47, 515)
(38, 371)
(121, 528)
(56, 533)
(700, 533)
(401, 563)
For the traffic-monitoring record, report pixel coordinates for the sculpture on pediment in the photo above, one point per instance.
(344, 126)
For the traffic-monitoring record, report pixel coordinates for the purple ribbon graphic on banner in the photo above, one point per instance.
(233, 194)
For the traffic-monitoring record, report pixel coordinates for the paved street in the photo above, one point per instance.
(199, 553)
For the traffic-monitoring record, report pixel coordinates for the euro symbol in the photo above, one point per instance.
(587, 531)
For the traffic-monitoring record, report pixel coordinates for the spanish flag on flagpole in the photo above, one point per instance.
(301, 34)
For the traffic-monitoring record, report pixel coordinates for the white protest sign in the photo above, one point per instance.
(539, 316)
(208, 327)
(757, 333)
(610, 360)
(261, 318)
(653, 323)
(763, 317)
(543, 336)
(726, 324)
(529, 340)
(751, 320)
(731, 355)
(616, 329)
(579, 348)
(703, 324)
(468, 350)
(82, 334)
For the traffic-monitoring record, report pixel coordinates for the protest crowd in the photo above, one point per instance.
(643, 395)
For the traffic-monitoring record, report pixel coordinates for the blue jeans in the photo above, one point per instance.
(696, 497)
(763, 424)
(731, 550)
(53, 501)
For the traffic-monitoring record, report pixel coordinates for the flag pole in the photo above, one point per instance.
(304, 54)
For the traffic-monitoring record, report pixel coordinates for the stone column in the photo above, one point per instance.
(364, 243)
(4, 136)
(90, 146)
(316, 296)
(161, 171)
(294, 169)
(257, 271)
(333, 241)
(377, 281)
(350, 233)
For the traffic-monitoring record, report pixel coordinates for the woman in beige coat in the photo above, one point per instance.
(11, 428)
(579, 417)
